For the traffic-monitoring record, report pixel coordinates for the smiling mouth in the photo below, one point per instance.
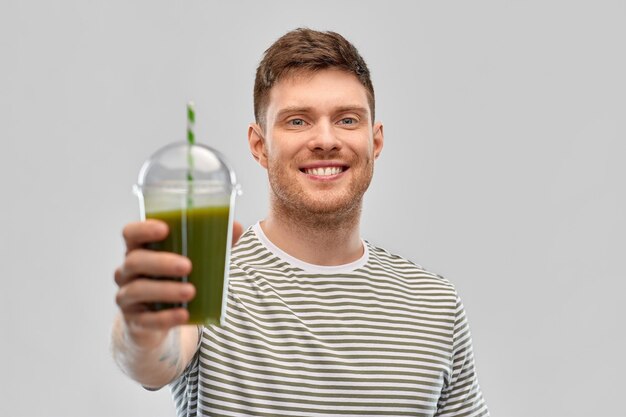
(324, 171)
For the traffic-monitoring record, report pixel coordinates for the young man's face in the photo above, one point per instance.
(319, 143)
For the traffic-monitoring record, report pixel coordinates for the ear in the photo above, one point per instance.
(256, 141)
(379, 139)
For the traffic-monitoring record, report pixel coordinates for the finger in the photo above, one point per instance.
(138, 234)
(118, 277)
(157, 320)
(144, 262)
(237, 231)
(145, 290)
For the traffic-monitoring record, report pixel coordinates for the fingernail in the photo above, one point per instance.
(187, 290)
(183, 265)
(161, 228)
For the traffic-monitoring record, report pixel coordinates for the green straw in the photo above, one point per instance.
(191, 140)
(191, 121)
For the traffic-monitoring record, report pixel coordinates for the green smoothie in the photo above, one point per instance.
(201, 232)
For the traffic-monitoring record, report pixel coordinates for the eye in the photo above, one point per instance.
(296, 122)
(348, 121)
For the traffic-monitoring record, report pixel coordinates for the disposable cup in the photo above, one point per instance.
(193, 190)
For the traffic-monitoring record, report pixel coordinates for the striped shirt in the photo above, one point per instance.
(378, 337)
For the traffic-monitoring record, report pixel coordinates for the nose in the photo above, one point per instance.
(324, 138)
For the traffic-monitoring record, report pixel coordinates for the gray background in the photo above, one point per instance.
(502, 170)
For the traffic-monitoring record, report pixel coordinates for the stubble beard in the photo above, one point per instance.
(330, 210)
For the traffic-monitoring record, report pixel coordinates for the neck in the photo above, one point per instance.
(316, 238)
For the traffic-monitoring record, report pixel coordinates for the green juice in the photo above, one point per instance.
(200, 233)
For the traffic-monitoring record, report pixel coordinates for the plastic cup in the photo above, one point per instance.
(193, 190)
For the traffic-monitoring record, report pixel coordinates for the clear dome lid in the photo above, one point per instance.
(181, 168)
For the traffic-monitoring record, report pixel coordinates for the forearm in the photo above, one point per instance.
(153, 364)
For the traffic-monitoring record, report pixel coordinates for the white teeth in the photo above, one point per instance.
(320, 172)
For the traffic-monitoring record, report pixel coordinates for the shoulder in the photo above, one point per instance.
(251, 254)
(247, 250)
(246, 242)
(381, 260)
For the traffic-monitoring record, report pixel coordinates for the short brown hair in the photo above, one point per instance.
(307, 50)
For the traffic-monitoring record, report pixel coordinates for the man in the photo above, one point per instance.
(320, 322)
